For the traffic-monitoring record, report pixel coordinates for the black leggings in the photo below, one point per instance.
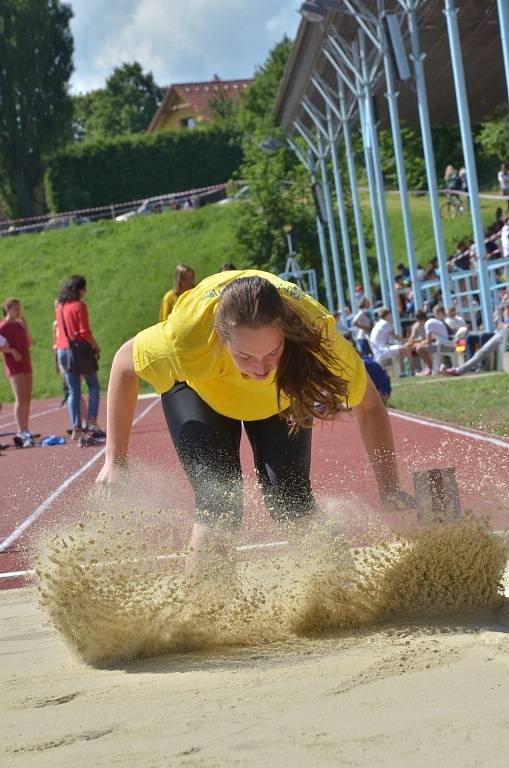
(208, 445)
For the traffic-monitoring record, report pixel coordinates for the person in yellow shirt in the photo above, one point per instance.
(247, 348)
(183, 281)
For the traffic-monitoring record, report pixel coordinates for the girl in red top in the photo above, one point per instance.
(18, 368)
(72, 323)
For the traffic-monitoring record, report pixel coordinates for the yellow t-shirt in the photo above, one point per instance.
(187, 348)
(167, 303)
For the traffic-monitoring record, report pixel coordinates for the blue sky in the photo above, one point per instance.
(176, 40)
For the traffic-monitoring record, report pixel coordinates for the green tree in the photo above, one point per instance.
(280, 195)
(125, 105)
(36, 50)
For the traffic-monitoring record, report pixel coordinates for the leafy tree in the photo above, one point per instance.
(36, 50)
(279, 187)
(125, 105)
(493, 136)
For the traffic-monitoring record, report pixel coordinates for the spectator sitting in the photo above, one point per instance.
(183, 281)
(490, 345)
(417, 333)
(436, 330)
(456, 323)
(402, 271)
(362, 325)
(461, 259)
(380, 338)
(341, 321)
(431, 270)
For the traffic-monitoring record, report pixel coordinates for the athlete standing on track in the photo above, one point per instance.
(245, 347)
(18, 367)
(183, 280)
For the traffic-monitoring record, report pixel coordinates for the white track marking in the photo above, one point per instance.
(61, 488)
(32, 416)
(145, 396)
(449, 428)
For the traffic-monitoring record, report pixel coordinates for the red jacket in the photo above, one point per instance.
(75, 316)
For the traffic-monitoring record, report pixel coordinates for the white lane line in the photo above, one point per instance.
(32, 416)
(6, 543)
(449, 428)
(170, 556)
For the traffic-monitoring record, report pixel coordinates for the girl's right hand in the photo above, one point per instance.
(113, 473)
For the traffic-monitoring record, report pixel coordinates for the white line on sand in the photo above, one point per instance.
(170, 556)
(6, 543)
(448, 428)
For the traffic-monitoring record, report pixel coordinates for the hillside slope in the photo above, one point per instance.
(128, 267)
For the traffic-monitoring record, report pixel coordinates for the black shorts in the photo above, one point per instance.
(208, 445)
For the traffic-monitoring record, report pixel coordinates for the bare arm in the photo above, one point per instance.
(376, 435)
(27, 329)
(7, 350)
(122, 396)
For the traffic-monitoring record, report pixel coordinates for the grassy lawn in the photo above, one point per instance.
(479, 401)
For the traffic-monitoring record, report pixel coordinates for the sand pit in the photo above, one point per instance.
(399, 655)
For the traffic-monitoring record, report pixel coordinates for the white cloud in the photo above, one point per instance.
(177, 41)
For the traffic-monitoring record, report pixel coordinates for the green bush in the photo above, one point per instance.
(141, 165)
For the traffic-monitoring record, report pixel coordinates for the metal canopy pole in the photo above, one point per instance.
(330, 225)
(379, 185)
(352, 175)
(429, 160)
(343, 222)
(451, 15)
(319, 227)
(503, 15)
(392, 98)
(342, 118)
(368, 162)
(317, 119)
(366, 143)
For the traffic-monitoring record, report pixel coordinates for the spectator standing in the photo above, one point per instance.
(503, 181)
(504, 236)
(73, 325)
(183, 280)
(18, 367)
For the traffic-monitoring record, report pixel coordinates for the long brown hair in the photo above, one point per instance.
(304, 373)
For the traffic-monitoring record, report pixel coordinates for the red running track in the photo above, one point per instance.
(44, 489)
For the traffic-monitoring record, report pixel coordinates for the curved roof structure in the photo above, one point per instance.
(481, 50)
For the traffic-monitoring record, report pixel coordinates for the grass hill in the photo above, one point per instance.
(130, 265)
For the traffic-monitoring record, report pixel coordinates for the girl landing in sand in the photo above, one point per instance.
(245, 347)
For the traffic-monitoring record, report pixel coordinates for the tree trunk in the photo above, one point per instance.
(25, 205)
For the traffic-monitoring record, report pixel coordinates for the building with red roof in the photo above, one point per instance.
(186, 104)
